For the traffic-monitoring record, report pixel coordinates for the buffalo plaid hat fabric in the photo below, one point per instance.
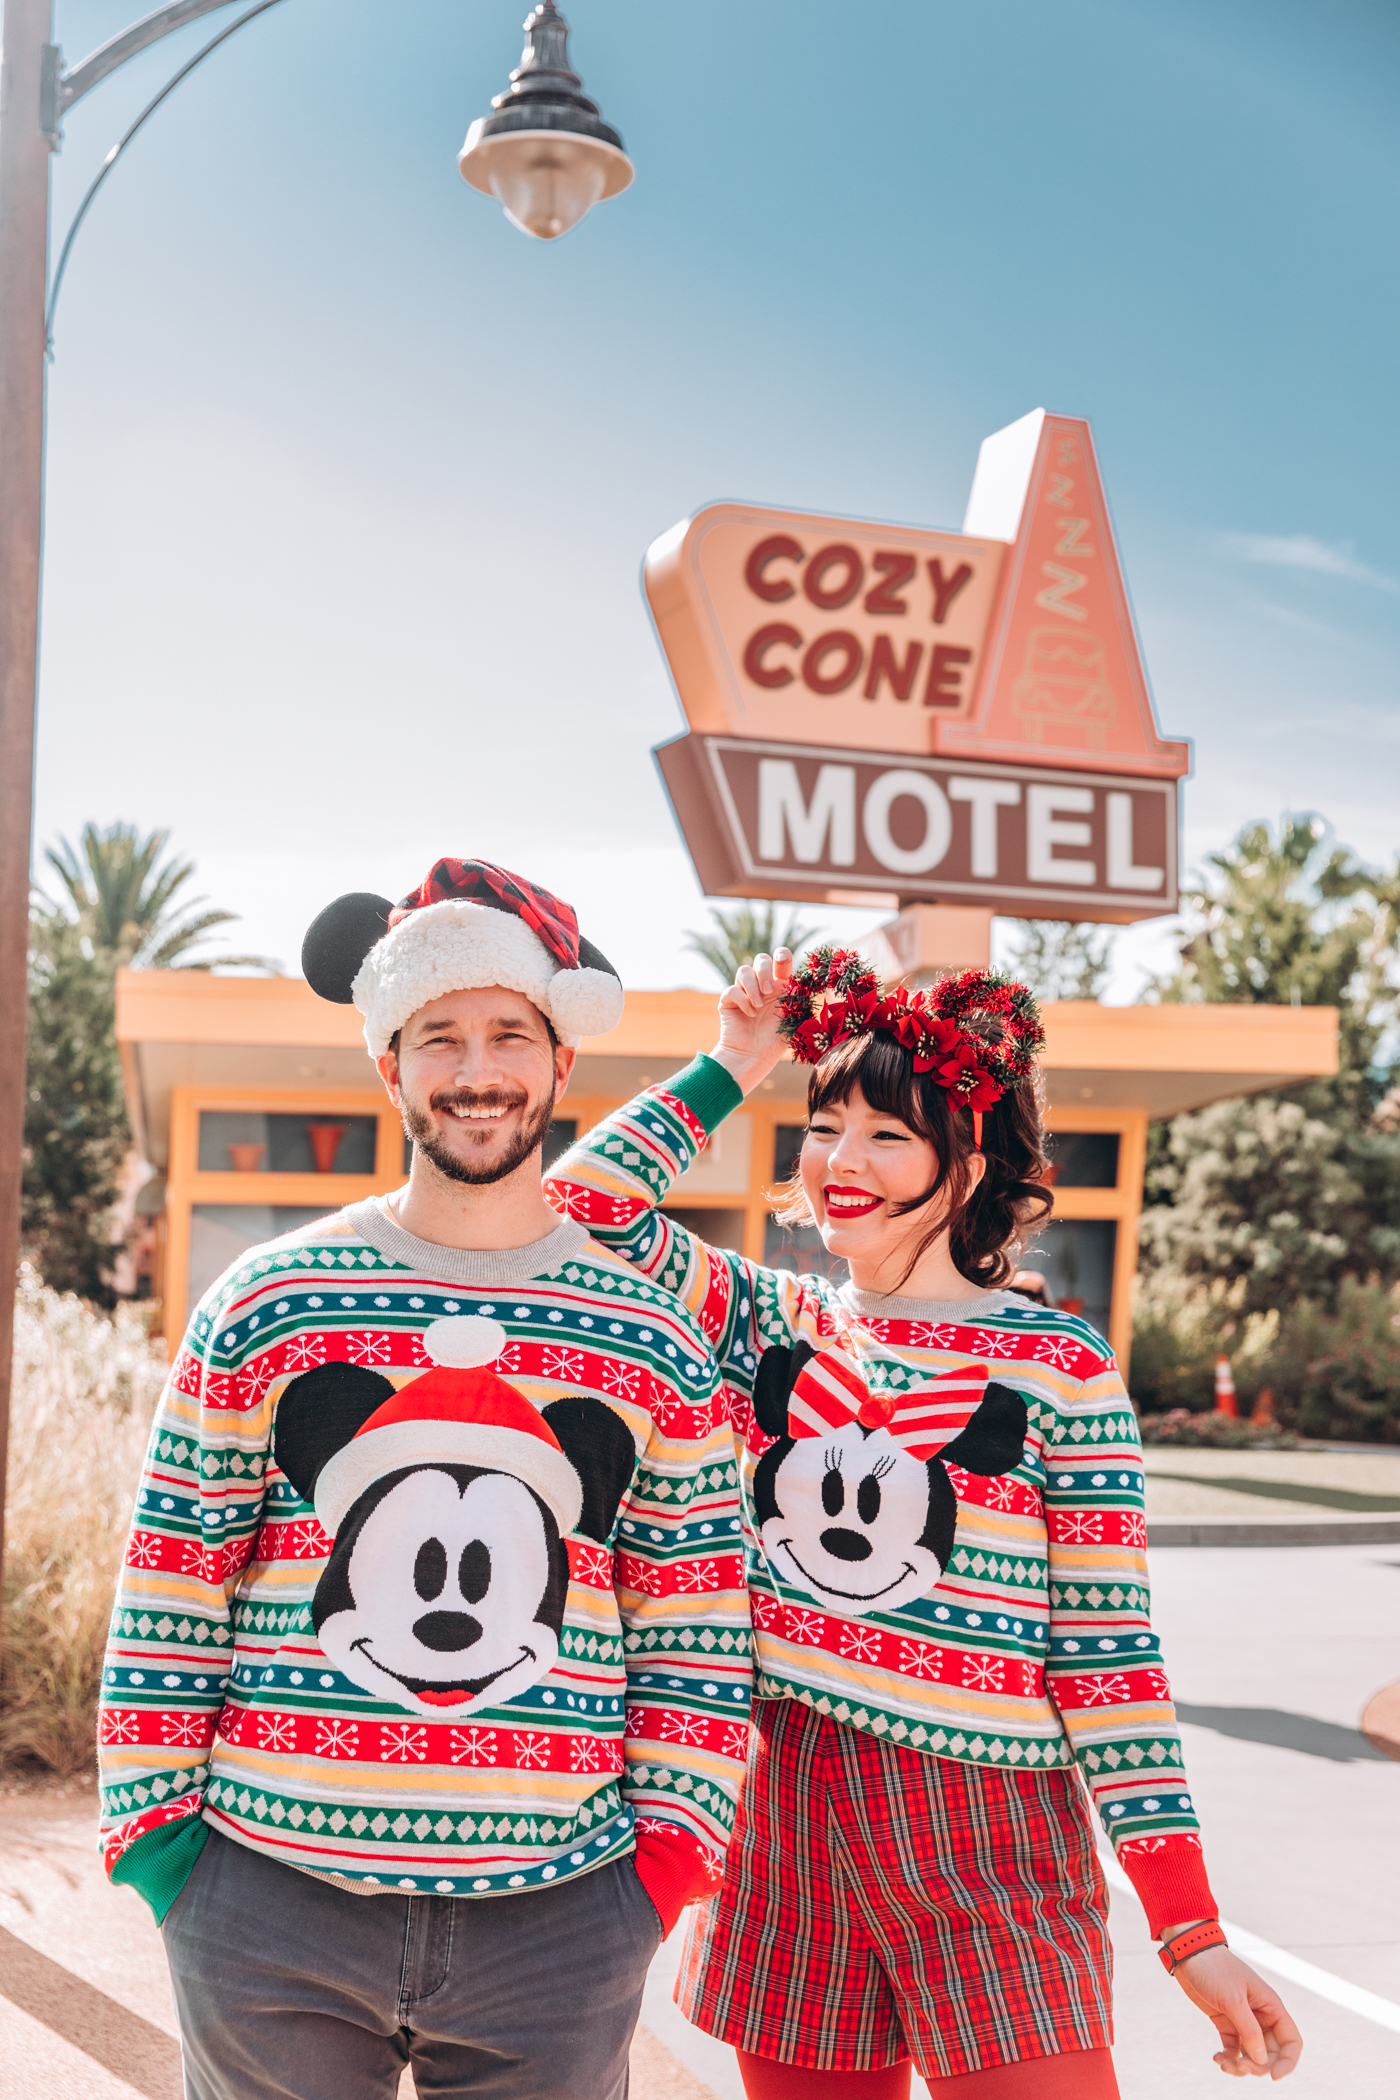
(467, 924)
(555, 922)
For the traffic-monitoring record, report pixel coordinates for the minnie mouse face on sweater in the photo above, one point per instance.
(449, 1500)
(845, 1511)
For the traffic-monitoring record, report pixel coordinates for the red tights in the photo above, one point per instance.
(1085, 2074)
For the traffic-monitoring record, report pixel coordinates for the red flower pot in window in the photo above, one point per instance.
(325, 1143)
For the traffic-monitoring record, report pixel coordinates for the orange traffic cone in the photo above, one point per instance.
(1225, 1402)
(1263, 1412)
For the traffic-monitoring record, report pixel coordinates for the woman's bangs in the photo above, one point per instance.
(883, 1071)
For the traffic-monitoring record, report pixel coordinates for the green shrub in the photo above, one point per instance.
(1215, 1432)
(1339, 1375)
(85, 1389)
(1180, 1327)
(1332, 1374)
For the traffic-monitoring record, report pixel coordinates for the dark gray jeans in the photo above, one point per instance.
(289, 1989)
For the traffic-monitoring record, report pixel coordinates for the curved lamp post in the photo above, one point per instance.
(546, 153)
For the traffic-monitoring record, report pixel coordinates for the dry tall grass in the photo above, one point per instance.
(85, 1389)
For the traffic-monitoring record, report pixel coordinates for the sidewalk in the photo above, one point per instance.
(1182, 1482)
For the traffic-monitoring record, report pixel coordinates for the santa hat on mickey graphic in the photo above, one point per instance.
(467, 924)
(459, 1413)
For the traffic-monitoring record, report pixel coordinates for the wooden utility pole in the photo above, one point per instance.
(24, 255)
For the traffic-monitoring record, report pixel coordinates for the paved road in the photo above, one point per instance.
(1273, 1652)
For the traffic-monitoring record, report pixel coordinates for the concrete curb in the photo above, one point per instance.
(1339, 1530)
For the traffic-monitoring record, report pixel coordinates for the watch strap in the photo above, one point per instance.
(1173, 1952)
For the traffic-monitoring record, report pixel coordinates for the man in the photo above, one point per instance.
(425, 1701)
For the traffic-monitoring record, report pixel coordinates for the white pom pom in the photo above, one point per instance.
(585, 1002)
(464, 1344)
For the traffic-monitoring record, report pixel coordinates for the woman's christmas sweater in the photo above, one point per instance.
(222, 1700)
(1033, 1647)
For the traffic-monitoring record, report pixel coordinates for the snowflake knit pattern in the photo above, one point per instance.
(218, 1700)
(1035, 1648)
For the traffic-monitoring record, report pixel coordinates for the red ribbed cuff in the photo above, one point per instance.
(1169, 1876)
(674, 1869)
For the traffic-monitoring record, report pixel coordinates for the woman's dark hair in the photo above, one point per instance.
(987, 1226)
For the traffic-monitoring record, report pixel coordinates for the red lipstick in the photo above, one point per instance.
(843, 1202)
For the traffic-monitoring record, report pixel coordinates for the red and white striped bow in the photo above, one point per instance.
(831, 1391)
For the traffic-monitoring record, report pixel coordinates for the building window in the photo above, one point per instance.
(562, 1133)
(220, 1233)
(717, 1227)
(797, 1247)
(1075, 1256)
(1084, 1159)
(249, 1141)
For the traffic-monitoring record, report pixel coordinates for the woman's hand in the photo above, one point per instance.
(1260, 2041)
(749, 1043)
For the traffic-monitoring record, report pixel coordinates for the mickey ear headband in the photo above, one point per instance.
(835, 995)
(468, 924)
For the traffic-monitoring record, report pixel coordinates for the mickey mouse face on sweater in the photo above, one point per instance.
(846, 1511)
(445, 1591)
(449, 1499)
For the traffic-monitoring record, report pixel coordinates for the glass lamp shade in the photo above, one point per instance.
(546, 180)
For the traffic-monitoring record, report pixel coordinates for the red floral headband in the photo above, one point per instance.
(835, 995)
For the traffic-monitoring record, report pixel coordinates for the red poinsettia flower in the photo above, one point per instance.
(806, 1042)
(962, 1062)
(985, 1094)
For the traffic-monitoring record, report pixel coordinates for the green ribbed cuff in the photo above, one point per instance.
(161, 1861)
(708, 1091)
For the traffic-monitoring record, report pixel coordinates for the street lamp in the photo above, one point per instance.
(546, 153)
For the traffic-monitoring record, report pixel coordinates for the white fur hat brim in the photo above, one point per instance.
(496, 1447)
(458, 946)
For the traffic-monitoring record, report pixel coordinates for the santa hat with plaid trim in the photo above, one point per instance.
(467, 924)
(459, 1413)
(830, 1391)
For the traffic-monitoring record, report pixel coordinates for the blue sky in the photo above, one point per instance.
(349, 481)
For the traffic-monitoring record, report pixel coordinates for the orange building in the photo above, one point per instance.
(258, 1109)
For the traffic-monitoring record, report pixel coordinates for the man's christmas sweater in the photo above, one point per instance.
(222, 1704)
(1033, 1647)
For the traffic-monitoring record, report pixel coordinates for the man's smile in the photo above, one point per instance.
(434, 1690)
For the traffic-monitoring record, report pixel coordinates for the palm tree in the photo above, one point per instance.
(741, 934)
(132, 908)
(1061, 960)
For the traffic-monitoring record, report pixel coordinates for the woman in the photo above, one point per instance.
(945, 1531)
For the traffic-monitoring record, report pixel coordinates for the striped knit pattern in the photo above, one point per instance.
(1036, 1647)
(831, 1389)
(218, 1699)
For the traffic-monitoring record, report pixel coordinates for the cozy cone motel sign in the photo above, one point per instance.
(938, 717)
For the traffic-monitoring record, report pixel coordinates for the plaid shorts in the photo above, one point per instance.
(879, 1904)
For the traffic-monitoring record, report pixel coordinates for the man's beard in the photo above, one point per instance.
(418, 1125)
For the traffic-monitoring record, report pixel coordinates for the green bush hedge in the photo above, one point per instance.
(1332, 1374)
(1213, 1432)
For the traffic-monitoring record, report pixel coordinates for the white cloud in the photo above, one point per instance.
(1299, 551)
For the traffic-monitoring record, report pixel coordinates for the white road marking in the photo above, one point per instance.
(1384, 2011)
